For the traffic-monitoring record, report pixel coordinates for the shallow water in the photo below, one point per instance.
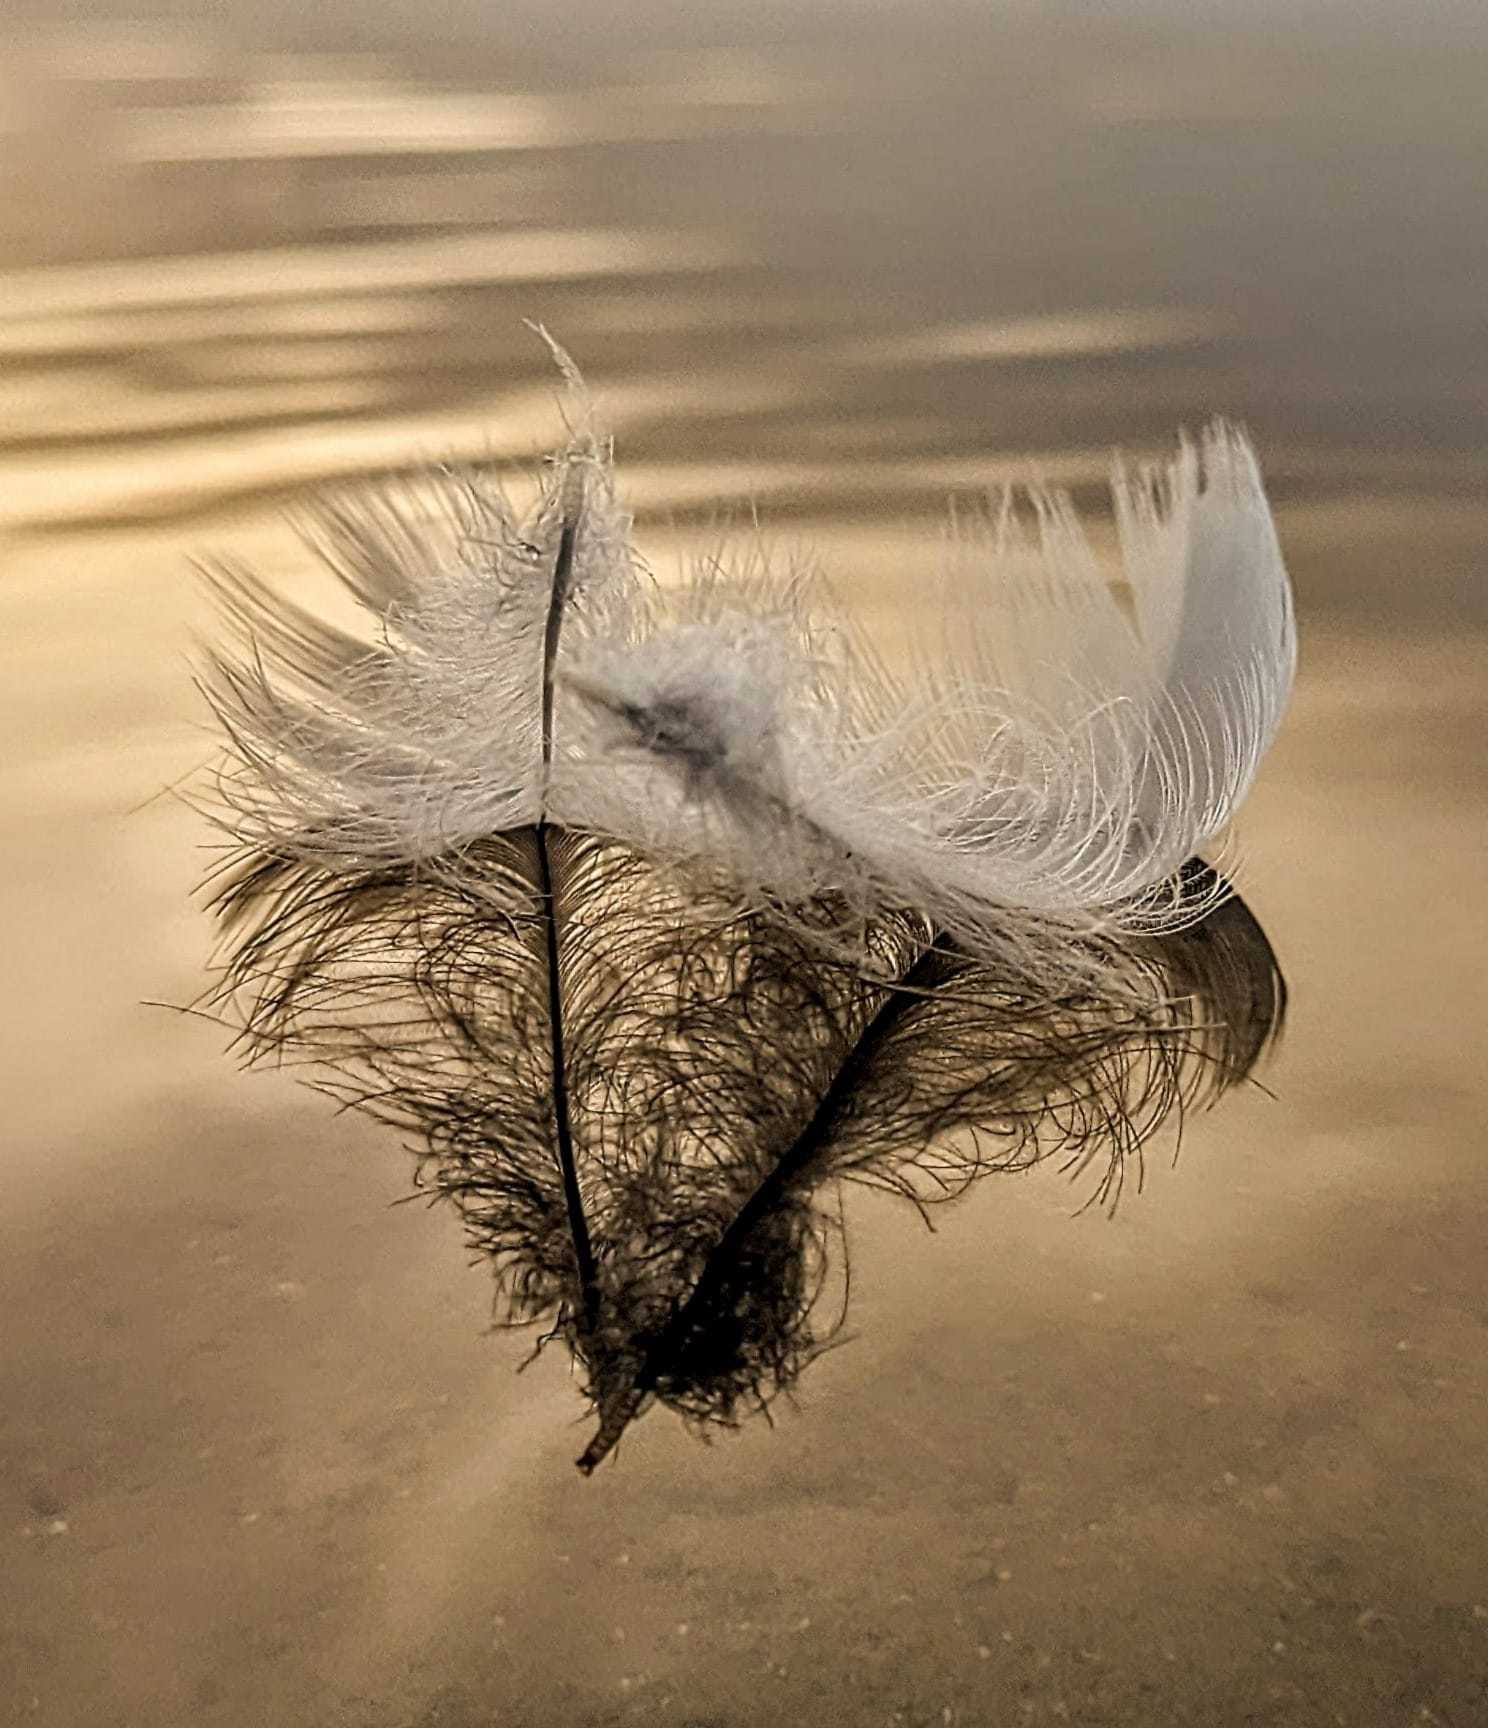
(1220, 1460)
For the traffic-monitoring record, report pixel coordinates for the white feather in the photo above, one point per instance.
(1031, 793)
(1042, 780)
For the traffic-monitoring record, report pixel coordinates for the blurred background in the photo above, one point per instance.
(1219, 1461)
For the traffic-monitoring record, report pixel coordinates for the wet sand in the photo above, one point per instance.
(1218, 1461)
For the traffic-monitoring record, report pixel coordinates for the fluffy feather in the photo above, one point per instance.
(649, 916)
(1037, 786)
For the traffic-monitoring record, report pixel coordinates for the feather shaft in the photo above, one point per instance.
(573, 1197)
(767, 1195)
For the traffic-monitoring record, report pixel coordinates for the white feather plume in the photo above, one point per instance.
(429, 736)
(1039, 782)
(1032, 789)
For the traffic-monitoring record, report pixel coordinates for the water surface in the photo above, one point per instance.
(1219, 1460)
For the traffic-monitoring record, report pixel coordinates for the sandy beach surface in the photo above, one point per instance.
(1220, 1460)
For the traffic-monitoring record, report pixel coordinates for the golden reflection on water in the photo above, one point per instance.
(947, 245)
(262, 1465)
